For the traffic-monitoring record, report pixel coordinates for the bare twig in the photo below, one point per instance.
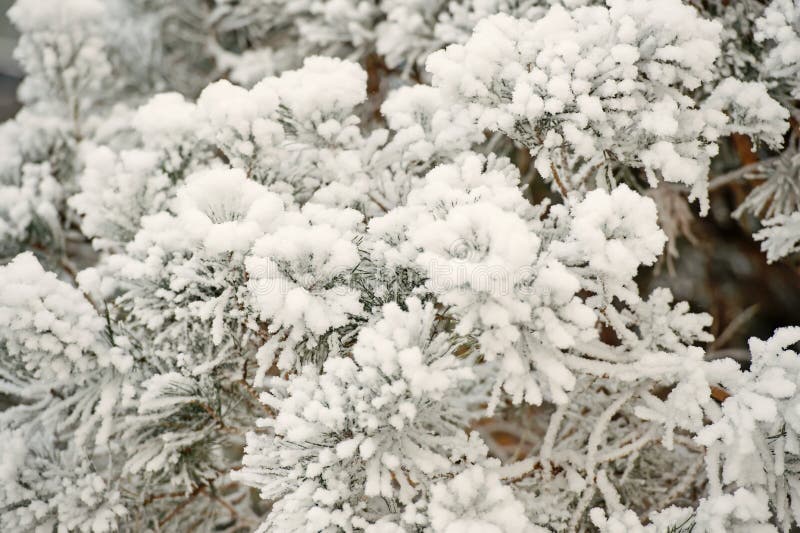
(558, 181)
(182, 505)
(735, 325)
(717, 182)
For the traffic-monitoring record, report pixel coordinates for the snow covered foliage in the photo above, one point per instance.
(776, 200)
(48, 326)
(597, 86)
(367, 434)
(780, 236)
(56, 360)
(258, 274)
(778, 29)
(477, 500)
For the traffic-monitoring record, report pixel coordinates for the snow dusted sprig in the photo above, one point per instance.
(46, 487)
(778, 30)
(573, 84)
(477, 500)
(753, 440)
(779, 236)
(301, 279)
(366, 432)
(49, 330)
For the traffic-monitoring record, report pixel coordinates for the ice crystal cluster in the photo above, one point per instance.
(279, 266)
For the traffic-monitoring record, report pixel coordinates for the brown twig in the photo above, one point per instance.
(719, 394)
(222, 426)
(558, 181)
(153, 497)
(181, 506)
(735, 325)
(378, 202)
(226, 505)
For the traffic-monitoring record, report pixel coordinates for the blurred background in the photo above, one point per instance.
(9, 70)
